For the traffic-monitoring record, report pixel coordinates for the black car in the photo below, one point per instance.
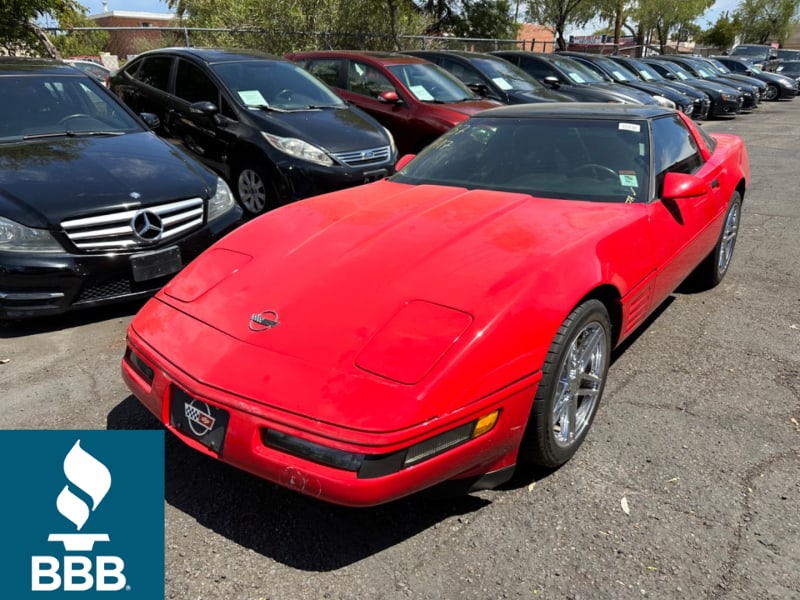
(701, 101)
(492, 77)
(790, 68)
(750, 94)
(779, 86)
(717, 68)
(570, 77)
(273, 130)
(94, 207)
(610, 70)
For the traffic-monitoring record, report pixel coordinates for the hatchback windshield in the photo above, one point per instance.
(429, 83)
(39, 106)
(601, 160)
(276, 85)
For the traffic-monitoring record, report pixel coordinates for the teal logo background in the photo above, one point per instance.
(131, 512)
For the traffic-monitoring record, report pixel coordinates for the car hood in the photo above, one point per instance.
(626, 94)
(45, 181)
(389, 284)
(545, 95)
(334, 129)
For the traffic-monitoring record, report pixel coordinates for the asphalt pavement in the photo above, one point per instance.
(688, 485)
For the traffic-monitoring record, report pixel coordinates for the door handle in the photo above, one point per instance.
(714, 183)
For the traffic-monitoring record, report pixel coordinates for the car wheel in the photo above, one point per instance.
(254, 190)
(712, 270)
(573, 377)
(773, 93)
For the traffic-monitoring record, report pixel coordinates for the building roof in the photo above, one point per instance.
(130, 14)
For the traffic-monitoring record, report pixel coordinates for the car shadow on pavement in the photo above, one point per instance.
(298, 531)
(21, 328)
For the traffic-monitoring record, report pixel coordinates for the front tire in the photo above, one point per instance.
(714, 267)
(253, 189)
(573, 378)
(773, 93)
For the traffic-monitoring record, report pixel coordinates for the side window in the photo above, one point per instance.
(325, 69)
(154, 71)
(192, 85)
(674, 149)
(538, 70)
(366, 80)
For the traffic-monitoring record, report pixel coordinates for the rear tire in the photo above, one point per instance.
(573, 378)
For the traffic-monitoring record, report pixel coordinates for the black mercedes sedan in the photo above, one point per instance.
(94, 207)
(273, 130)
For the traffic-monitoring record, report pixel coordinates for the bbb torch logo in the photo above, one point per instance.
(80, 573)
(88, 520)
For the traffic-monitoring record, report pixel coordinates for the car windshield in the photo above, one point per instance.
(789, 65)
(429, 83)
(702, 71)
(646, 71)
(749, 51)
(575, 71)
(600, 160)
(41, 106)
(507, 76)
(618, 72)
(678, 71)
(277, 85)
(718, 65)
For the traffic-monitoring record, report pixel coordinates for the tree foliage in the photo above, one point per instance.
(19, 32)
(490, 19)
(80, 43)
(560, 13)
(291, 25)
(722, 34)
(668, 18)
(764, 21)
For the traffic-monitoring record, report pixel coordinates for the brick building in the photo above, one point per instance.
(129, 42)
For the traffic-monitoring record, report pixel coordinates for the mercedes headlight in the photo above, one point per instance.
(299, 149)
(221, 202)
(19, 238)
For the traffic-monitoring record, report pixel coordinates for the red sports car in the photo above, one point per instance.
(449, 322)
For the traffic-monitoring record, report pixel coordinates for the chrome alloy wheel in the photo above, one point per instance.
(252, 191)
(728, 240)
(580, 384)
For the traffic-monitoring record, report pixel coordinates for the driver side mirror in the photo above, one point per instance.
(389, 97)
(552, 81)
(683, 185)
(203, 108)
(479, 88)
(151, 120)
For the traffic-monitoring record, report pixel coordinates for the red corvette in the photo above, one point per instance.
(449, 322)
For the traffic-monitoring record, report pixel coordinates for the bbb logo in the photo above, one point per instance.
(85, 511)
(92, 477)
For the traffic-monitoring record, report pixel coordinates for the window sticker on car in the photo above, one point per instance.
(421, 93)
(252, 97)
(628, 179)
(501, 83)
(630, 127)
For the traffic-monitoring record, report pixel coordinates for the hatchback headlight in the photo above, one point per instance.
(221, 202)
(299, 149)
(19, 238)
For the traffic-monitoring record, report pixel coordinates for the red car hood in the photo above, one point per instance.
(385, 280)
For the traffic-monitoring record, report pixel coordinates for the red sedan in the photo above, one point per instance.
(416, 100)
(450, 322)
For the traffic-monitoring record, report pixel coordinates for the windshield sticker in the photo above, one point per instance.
(252, 98)
(501, 83)
(630, 127)
(421, 93)
(628, 179)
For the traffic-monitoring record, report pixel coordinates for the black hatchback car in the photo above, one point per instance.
(94, 207)
(273, 130)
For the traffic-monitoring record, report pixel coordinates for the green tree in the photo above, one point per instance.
(665, 18)
(722, 34)
(83, 42)
(490, 19)
(765, 21)
(560, 13)
(19, 31)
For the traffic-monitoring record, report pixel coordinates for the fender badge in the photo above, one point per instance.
(264, 320)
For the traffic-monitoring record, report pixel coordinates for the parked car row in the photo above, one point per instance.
(268, 131)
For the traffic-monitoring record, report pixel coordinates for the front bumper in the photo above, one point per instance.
(37, 285)
(157, 383)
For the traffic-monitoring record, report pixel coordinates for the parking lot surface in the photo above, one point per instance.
(687, 486)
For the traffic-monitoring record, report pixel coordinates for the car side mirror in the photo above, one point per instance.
(404, 160)
(389, 98)
(479, 88)
(683, 185)
(552, 81)
(151, 120)
(203, 108)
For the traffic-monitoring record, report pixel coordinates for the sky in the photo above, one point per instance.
(159, 6)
